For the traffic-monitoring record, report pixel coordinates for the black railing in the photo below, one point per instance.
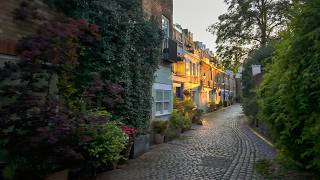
(170, 51)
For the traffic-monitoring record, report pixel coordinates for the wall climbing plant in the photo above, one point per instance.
(49, 99)
(128, 53)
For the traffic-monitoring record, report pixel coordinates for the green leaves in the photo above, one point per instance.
(289, 95)
(246, 25)
(107, 145)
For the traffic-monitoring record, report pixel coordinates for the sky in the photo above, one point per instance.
(197, 16)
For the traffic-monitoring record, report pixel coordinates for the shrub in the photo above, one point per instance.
(106, 145)
(212, 106)
(250, 107)
(251, 83)
(43, 106)
(187, 93)
(160, 126)
(178, 104)
(176, 119)
(188, 106)
(184, 106)
(187, 122)
(197, 116)
(289, 95)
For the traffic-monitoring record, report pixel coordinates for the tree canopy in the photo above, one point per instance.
(248, 24)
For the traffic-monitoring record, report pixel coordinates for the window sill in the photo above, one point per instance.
(165, 114)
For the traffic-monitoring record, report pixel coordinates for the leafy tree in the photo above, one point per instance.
(250, 83)
(248, 24)
(290, 95)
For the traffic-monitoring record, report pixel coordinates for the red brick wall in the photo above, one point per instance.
(11, 30)
(157, 8)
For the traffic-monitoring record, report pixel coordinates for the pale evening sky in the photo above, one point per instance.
(197, 15)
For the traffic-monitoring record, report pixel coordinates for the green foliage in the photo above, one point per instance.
(102, 113)
(263, 167)
(107, 145)
(246, 25)
(289, 95)
(261, 56)
(50, 90)
(160, 126)
(187, 122)
(212, 106)
(128, 54)
(283, 168)
(184, 106)
(176, 119)
(197, 116)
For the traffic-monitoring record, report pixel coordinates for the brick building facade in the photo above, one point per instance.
(162, 12)
(17, 19)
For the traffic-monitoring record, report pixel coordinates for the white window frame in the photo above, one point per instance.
(166, 21)
(164, 88)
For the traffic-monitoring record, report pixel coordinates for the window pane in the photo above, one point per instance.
(159, 107)
(166, 106)
(187, 68)
(159, 95)
(167, 95)
(165, 27)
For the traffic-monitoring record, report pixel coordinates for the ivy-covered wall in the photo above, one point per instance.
(129, 52)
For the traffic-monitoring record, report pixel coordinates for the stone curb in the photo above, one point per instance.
(261, 137)
(222, 109)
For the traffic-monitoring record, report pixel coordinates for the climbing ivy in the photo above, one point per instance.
(128, 53)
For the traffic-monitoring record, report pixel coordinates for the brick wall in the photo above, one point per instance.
(157, 8)
(11, 29)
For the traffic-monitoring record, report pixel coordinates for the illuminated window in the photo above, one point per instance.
(194, 69)
(188, 68)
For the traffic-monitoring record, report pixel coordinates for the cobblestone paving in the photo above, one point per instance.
(224, 148)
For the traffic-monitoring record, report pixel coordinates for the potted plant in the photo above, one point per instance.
(187, 123)
(104, 150)
(176, 122)
(197, 116)
(131, 132)
(141, 145)
(160, 127)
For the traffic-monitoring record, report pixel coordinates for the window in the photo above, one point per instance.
(165, 27)
(163, 98)
(195, 68)
(166, 32)
(188, 68)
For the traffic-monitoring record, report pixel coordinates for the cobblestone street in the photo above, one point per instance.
(223, 148)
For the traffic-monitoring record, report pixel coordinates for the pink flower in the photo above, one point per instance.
(129, 131)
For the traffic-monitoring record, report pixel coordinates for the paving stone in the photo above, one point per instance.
(224, 148)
